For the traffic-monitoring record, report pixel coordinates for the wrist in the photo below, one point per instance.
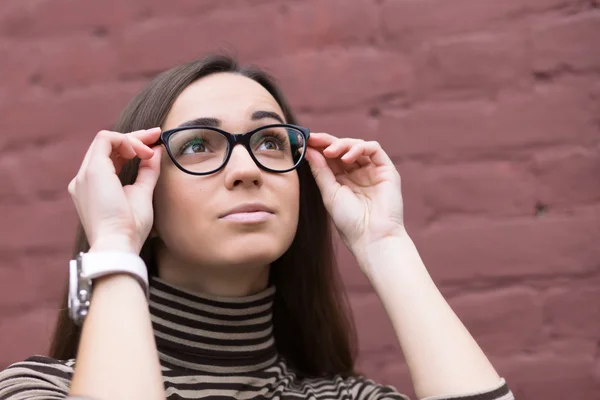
(122, 244)
(102, 268)
(117, 280)
(389, 257)
(369, 251)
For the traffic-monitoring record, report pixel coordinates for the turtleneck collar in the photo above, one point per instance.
(210, 334)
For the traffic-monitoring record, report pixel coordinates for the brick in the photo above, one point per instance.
(75, 61)
(47, 225)
(54, 167)
(411, 23)
(482, 130)
(566, 177)
(566, 44)
(18, 69)
(375, 331)
(355, 123)
(417, 212)
(153, 9)
(434, 193)
(458, 130)
(568, 346)
(320, 80)
(510, 249)
(184, 39)
(158, 9)
(336, 23)
(351, 274)
(33, 279)
(492, 189)
(549, 377)
(68, 62)
(28, 333)
(502, 321)
(46, 118)
(34, 18)
(573, 310)
(12, 188)
(472, 66)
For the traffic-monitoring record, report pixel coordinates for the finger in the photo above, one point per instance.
(138, 141)
(149, 171)
(355, 159)
(88, 153)
(321, 139)
(86, 158)
(147, 136)
(353, 153)
(335, 164)
(139, 137)
(105, 148)
(363, 161)
(340, 147)
(322, 173)
(142, 150)
(377, 155)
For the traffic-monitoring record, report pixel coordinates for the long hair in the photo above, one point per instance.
(313, 327)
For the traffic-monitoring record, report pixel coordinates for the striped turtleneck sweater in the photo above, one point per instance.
(217, 348)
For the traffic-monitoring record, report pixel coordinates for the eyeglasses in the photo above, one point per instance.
(202, 150)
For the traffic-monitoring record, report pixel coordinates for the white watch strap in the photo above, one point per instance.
(97, 264)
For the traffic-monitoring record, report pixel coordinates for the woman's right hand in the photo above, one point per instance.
(116, 217)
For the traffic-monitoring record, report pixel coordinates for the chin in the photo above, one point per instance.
(254, 251)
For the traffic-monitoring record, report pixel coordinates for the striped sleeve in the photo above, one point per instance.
(366, 389)
(500, 392)
(37, 378)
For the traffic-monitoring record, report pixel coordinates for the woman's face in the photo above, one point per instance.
(189, 209)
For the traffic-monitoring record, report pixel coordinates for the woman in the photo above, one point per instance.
(244, 299)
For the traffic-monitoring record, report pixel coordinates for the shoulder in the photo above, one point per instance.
(38, 377)
(361, 387)
(351, 388)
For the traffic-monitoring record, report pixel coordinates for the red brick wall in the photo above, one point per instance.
(491, 110)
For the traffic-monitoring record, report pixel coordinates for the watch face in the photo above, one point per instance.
(73, 288)
(80, 291)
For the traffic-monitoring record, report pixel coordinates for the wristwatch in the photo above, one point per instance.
(88, 266)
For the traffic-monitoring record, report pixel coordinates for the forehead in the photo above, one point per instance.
(229, 97)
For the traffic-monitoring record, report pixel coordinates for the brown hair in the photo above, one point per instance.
(313, 327)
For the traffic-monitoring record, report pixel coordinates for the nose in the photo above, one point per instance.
(241, 170)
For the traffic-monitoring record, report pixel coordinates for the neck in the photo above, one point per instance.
(213, 334)
(226, 281)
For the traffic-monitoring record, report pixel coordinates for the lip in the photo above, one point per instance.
(247, 209)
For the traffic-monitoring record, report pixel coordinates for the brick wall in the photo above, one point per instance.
(491, 110)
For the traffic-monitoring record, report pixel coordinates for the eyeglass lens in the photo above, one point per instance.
(204, 150)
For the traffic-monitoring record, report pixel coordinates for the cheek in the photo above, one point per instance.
(290, 200)
(177, 201)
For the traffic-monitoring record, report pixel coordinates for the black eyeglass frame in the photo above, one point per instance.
(233, 139)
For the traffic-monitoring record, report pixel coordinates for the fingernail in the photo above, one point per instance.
(153, 129)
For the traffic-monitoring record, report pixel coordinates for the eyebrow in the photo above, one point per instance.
(215, 122)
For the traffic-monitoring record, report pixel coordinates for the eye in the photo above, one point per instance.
(269, 144)
(196, 145)
(269, 141)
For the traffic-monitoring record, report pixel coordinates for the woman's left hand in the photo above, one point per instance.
(360, 187)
